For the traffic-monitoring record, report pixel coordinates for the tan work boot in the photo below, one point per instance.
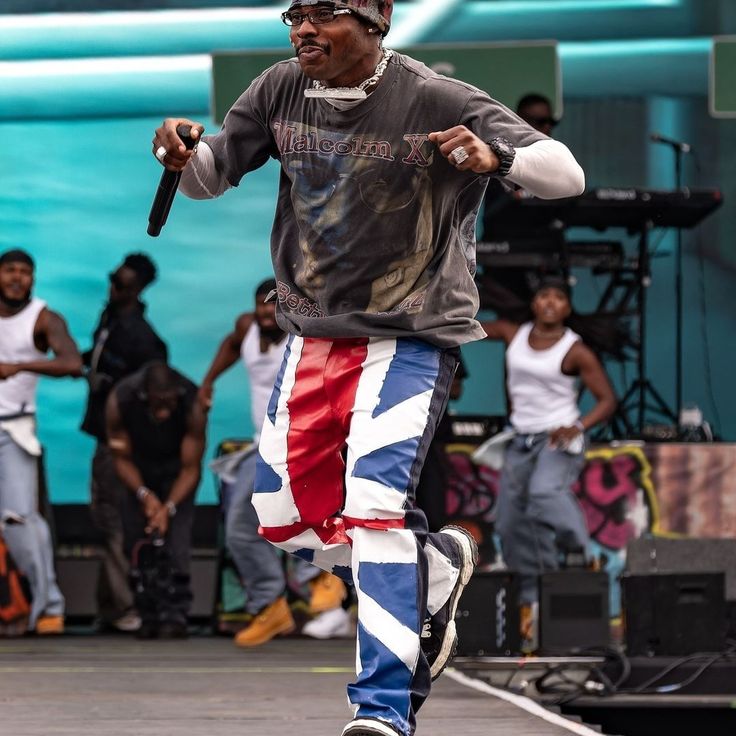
(327, 592)
(273, 620)
(46, 625)
(529, 627)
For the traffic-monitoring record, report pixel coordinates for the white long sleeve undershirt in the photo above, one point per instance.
(201, 179)
(533, 164)
(530, 170)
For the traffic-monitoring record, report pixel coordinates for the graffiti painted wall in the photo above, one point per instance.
(625, 491)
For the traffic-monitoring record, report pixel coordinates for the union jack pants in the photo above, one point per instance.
(345, 435)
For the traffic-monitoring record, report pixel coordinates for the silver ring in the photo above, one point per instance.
(458, 155)
(161, 153)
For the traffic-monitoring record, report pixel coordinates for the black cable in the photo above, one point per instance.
(689, 680)
(578, 687)
(645, 687)
(597, 675)
(623, 662)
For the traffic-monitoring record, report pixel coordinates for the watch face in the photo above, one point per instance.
(503, 147)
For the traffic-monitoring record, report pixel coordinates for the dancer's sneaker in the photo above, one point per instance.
(369, 727)
(439, 635)
(127, 623)
(334, 624)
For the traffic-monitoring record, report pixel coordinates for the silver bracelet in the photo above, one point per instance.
(171, 508)
(141, 493)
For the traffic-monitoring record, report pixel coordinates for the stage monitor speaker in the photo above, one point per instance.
(77, 580)
(672, 614)
(573, 611)
(652, 554)
(203, 571)
(487, 616)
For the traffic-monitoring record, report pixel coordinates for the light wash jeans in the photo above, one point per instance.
(538, 517)
(258, 562)
(25, 531)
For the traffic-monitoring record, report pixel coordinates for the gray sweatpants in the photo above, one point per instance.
(256, 559)
(538, 516)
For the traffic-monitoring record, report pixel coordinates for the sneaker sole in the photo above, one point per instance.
(368, 727)
(469, 560)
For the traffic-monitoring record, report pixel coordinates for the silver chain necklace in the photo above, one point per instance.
(318, 89)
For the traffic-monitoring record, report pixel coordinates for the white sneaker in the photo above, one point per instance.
(128, 622)
(332, 624)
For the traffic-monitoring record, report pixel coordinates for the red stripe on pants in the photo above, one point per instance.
(320, 408)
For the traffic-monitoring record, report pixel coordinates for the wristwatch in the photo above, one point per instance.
(504, 149)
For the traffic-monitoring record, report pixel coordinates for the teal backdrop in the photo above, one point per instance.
(76, 195)
(77, 178)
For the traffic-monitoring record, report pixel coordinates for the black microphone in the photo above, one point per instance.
(167, 188)
(679, 145)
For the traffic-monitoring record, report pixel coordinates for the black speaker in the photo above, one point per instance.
(573, 611)
(203, 570)
(652, 554)
(77, 580)
(487, 616)
(674, 613)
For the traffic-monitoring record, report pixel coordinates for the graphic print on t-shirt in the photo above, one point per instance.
(341, 182)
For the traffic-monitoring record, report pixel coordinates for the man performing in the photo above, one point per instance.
(28, 331)
(259, 342)
(156, 433)
(383, 168)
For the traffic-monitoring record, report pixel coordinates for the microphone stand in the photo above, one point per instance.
(678, 148)
(678, 295)
(678, 151)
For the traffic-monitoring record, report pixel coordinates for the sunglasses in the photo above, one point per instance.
(117, 281)
(542, 121)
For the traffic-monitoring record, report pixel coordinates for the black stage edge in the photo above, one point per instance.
(705, 705)
(655, 715)
(694, 695)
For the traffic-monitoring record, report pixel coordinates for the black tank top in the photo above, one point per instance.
(156, 446)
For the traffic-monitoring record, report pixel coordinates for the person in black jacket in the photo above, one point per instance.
(123, 342)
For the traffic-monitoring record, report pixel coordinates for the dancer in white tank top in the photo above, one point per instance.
(538, 519)
(28, 332)
(260, 343)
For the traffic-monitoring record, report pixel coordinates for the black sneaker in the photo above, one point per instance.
(439, 635)
(369, 727)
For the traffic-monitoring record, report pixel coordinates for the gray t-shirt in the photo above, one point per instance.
(374, 233)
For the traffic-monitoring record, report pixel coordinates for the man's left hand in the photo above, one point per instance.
(563, 436)
(480, 159)
(159, 522)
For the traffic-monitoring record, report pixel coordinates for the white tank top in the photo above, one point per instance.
(18, 393)
(542, 396)
(262, 370)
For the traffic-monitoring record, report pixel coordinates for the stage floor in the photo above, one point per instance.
(79, 685)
